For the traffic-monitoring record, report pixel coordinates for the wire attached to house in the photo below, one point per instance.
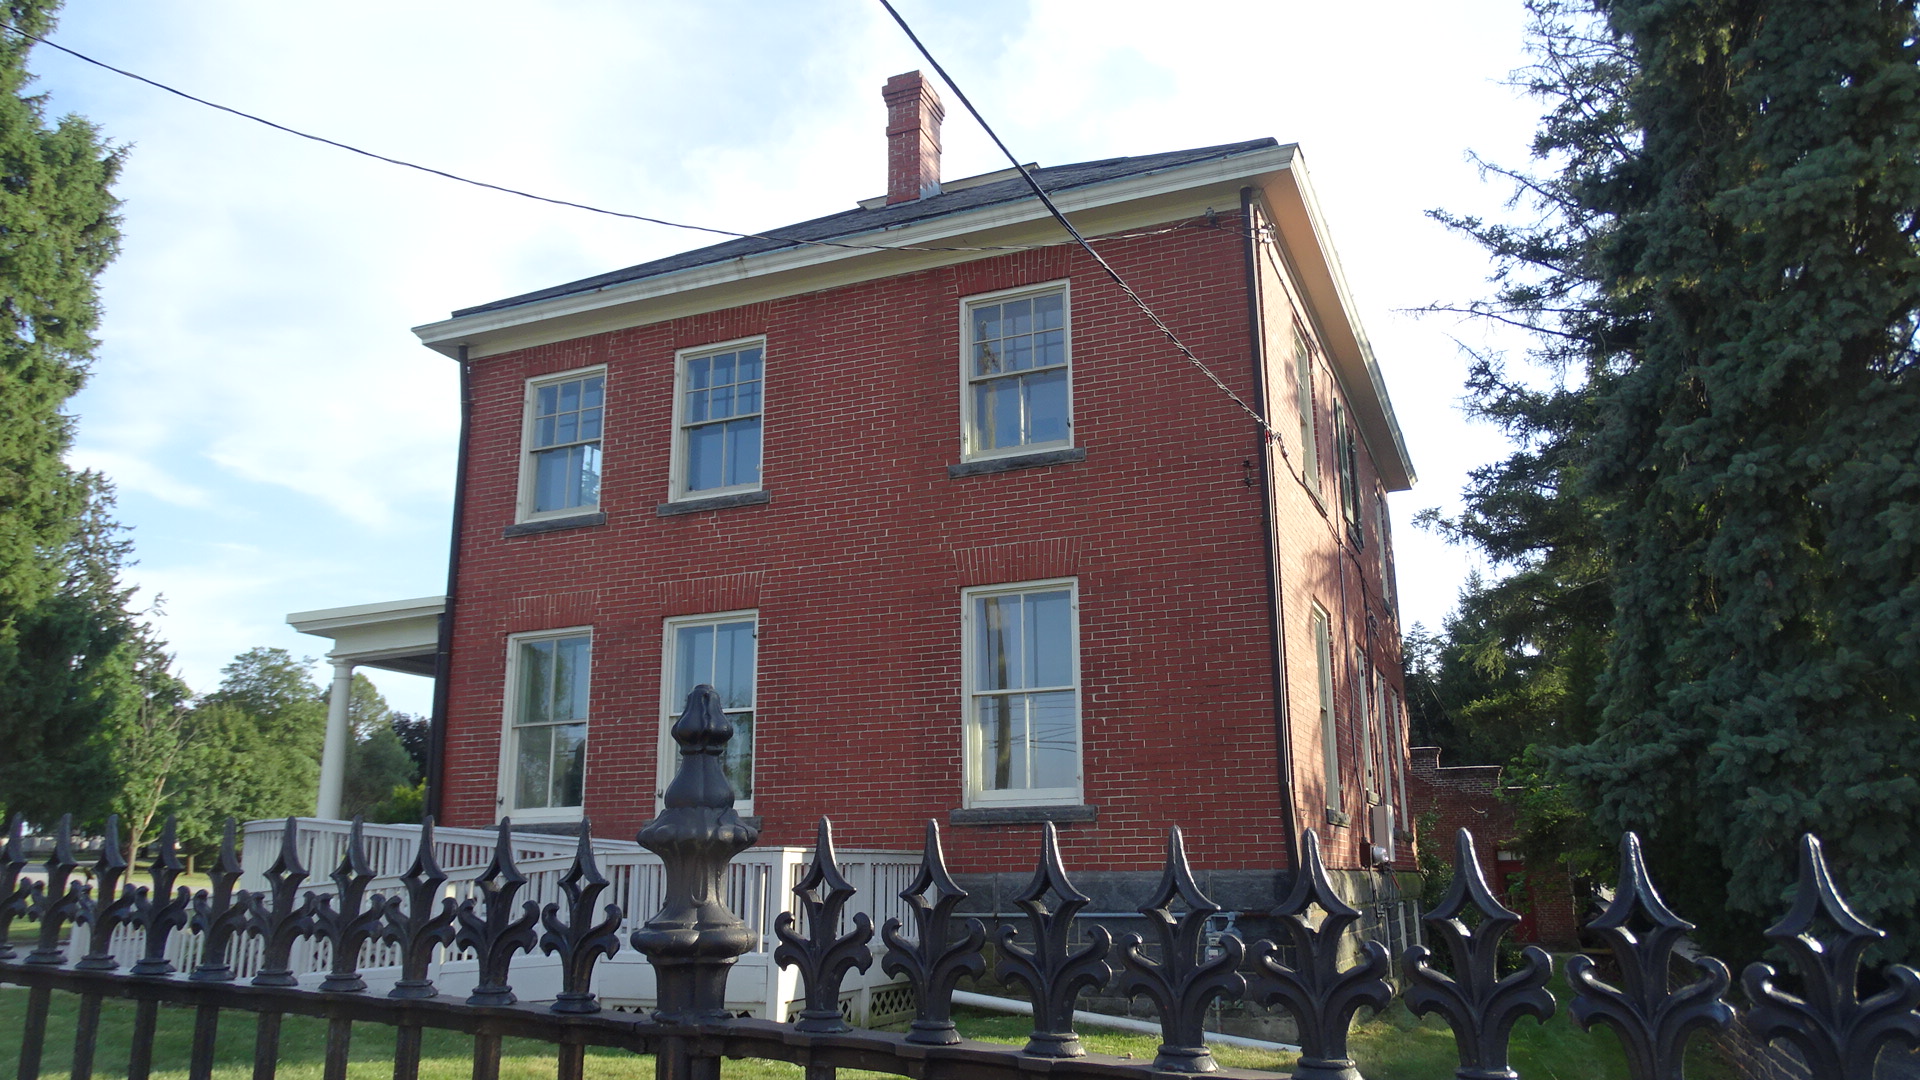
(1266, 429)
(336, 144)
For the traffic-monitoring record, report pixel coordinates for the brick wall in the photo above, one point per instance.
(856, 564)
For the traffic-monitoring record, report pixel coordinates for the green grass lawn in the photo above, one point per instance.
(1393, 1046)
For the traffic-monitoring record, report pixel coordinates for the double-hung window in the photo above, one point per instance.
(717, 416)
(717, 651)
(1022, 693)
(560, 473)
(1303, 403)
(546, 753)
(1015, 390)
(1329, 733)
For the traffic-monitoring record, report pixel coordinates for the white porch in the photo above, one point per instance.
(394, 635)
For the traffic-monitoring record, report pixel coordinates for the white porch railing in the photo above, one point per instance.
(759, 887)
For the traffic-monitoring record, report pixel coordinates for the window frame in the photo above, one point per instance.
(507, 775)
(1064, 287)
(974, 793)
(529, 472)
(1304, 398)
(679, 457)
(667, 757)
(1329, 722)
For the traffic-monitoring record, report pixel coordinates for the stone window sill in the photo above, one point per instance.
(1017, 461)
(717, 502)
(1021, 815)
(555, 524)
(1335, 817)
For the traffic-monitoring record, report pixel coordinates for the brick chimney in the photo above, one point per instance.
(913, 138)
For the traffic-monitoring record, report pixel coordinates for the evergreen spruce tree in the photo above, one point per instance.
(63, 628)
(1760, 455)
(1723, 467)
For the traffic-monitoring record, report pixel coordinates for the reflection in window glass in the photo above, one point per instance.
(720, 420)
(721, 655)
(1025, 720)
(550, 722)
(567, 419)
(1017, 373)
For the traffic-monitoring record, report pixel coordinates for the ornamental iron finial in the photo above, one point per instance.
(823, 958)
(579, 940)
(14, 891)
(56, 901)
(1653, 1021)
(219, 913)
(278, 917)
(109, 905)
(938, 956)
(1839, 1033)
(1053, 973)
(420, 929)
(1476, 1002)
(1321, 997)
(694, 939)
(161, 909)
(489, 926)
(1185, 980)
(345, 919)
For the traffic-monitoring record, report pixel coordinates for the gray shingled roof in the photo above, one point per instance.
(860, 220)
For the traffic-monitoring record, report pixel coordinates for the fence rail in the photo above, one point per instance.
(693, 940)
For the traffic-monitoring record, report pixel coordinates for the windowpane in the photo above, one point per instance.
(1002, 742)
(588, 472)
(739, 757)
(1048, 630)
(986, 322)
(704, 450)
(699, 372)
(566, 427)
(1016, 317)
(1050, 348)
(570, 764)
(543, 432)
(1055, 753)
(1019, 353)
(1049, 311)
(594, 394)
(531, 767)
(569, 397)
(590, 424)
(693, 661)
(733, 665)
(998, 618)
(697, 406)
(746, 397)
(748, 366)
(569, 679)
(743, 452)
(720, 405)
(1046, 406)
(536, 682)
(986, 358)
(1004, 419)
(547, 398)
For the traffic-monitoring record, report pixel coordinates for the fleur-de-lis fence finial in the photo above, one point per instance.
(1839, 1033)
(1476, 1002)
(1053, 971)
(14, 890)
(938, 957)
(1653, 1021)
(346, 920)
(1320, 995)
(579, 940)
(56, 901)
(279, 917)
(490, 927)
(823, 958)
(219, 913)
(161, 909)
(1185, 980)
(110, 903)
(420, 929)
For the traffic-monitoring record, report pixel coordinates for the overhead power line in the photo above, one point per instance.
(503, 189)
(1045, 200)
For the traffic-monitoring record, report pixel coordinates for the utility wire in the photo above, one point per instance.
(526, 194)
(1266, 429)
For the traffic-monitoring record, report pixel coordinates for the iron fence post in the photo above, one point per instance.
(694, 940)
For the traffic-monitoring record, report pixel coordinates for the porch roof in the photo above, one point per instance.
(397, 635)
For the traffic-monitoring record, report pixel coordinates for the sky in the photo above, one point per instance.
(281, 441)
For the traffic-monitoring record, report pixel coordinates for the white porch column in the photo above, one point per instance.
(333, 757)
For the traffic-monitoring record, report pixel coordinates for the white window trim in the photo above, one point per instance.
(667, 756)
(677, 465)
(1064, 287)
(510, 703)
(523, 503)
(1304, 403)
(973, 794)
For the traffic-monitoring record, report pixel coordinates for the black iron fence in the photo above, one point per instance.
(1659, 997)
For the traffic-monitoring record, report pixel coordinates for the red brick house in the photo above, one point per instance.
(951, 527)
